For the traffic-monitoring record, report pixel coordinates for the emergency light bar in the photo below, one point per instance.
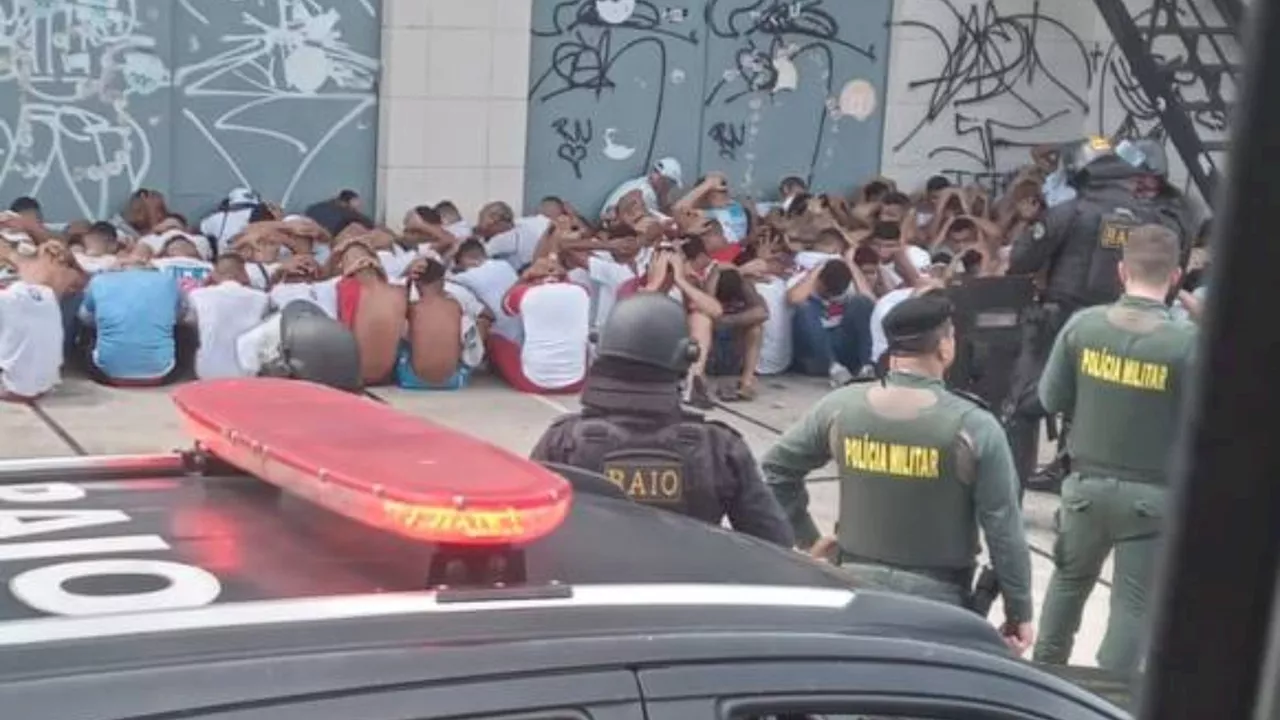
(372, 464)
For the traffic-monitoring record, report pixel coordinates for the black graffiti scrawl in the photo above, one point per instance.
(747, 87)
(991, 61)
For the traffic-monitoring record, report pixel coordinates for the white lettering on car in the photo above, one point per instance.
(41, 493)
(50, 589)
(44, 589)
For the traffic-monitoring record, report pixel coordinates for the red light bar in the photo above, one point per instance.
(373, 464)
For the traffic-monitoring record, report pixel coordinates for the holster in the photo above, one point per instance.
(985, 591)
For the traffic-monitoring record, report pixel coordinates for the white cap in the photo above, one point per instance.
(242, 197)
(669, 168)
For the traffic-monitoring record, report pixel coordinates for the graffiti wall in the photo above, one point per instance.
(759, 89)
(977, 83)
(191, 97)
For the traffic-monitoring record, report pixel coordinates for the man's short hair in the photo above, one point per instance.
(834, 278)
(896, 198)
(1151, 254)
(693, 248)
(428, 214)
(25, 203)
(498, 211)
(347, 196)
(471, 246)
(793, 181)
(447, 206)
(834, 235)
(936, 183)
(730, 287)
(105, 229)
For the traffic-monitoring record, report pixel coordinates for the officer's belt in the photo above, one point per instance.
(961, 577)
(1083, 466)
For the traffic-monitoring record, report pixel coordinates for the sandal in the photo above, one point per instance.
(736, 393)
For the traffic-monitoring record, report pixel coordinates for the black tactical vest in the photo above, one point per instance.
(665, 464)
(903, 500)
(1113, 225)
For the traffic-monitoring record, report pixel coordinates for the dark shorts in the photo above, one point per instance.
(725, 357)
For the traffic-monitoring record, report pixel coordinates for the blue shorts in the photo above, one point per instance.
(407, 380)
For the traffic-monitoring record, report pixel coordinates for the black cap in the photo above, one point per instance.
(910, 321)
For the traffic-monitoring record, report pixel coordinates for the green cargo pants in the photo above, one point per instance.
(907, 583)
(1098, 515)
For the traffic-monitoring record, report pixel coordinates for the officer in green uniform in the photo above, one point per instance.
(1122, 370)
(921, 468)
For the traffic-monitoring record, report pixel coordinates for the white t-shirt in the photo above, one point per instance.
(490, 283)
(260, 273)
(94, 264)
(518, 244)
(461, 229)
(259, 345)
(189, 272)
(607, 275)
(555, 319)
(396, 260)
(324, 294)
(918, 257)
(887, 302)
(223, 313)
(223, 226)
(776, 344)
(31, 334)
(156, 242)
(810, 259)
(642, 184)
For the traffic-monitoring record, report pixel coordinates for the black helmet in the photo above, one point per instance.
(650, 329)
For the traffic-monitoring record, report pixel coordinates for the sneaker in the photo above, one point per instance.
(839, 375)
(695, 393)
(868, 372)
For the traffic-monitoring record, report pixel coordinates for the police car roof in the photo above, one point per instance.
(281, 563)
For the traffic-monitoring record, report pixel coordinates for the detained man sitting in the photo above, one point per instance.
(222, 312)
(429, 359)
(372, 308)
(550, 357)
(133, 312)
(31, 327)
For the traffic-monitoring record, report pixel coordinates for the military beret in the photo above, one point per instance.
(915, 317)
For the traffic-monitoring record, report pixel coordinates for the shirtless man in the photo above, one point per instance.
(435, 316)
(372, 308)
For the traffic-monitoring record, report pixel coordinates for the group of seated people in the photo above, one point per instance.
(799, 284)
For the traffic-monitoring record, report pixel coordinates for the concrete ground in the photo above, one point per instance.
(82, 417)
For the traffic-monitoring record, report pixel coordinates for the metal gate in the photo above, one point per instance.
(760, 89)
(190, 97)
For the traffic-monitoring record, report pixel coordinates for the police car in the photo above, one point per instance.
(171, 586)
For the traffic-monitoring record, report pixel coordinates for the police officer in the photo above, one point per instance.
(312, 346)
(1076, 245)
(1122, 369)
(634, 431)
(921, 468)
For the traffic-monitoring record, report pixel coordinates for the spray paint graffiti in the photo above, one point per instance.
(991, 89)
(728, 138)
(96, 89)
(575, 139)
(753, 88)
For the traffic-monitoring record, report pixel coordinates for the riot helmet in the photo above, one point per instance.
(649, 329)
(1146, 155)
(1077, 158)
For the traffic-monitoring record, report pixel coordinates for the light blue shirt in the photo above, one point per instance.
(135, 312)
(733, 218)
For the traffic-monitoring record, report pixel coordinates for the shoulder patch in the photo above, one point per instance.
(971, 397)
(1038, 230)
